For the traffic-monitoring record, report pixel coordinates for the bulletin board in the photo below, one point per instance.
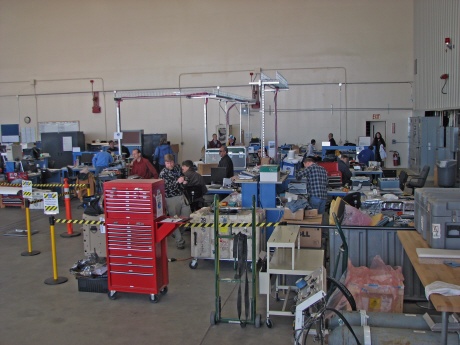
(58, 126)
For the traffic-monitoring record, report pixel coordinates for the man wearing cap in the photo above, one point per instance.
(231, 140)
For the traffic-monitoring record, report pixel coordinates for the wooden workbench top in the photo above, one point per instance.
(429, 273)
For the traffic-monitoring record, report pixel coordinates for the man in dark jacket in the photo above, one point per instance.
(194, 185)
(344, 168)
(226, 161)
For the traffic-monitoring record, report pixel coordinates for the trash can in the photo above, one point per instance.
(447, 173)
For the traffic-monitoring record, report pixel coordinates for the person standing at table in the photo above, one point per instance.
(331, 143)
(366, 155)
(175, 200)
(226, 161)
(101, 160)
(344, 168)
(380, 147)
(316, 177)
(160, 151)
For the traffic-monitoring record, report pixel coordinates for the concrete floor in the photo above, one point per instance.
(35, 313)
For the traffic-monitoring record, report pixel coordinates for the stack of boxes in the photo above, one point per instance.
(203, 237)
(310, 237)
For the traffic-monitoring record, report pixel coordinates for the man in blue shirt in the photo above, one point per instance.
(366, 155)
(316, 183)
(101, 160)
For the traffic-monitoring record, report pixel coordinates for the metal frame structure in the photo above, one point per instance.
(267, 84)
(205, 94)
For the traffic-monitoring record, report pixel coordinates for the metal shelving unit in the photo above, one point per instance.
(288, 259)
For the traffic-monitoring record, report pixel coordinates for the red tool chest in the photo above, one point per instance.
(136, 239)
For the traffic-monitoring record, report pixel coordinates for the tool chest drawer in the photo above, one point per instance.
(132, 281)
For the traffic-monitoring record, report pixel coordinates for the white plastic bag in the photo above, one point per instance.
(382, 152)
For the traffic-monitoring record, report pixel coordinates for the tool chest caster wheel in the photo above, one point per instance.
(112, 295)
(193, 264)
(154, 298)
(269, 323)
(164, 291)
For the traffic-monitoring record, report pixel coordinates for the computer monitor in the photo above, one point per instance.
(325, 143)
(218, 175)
(86, 158)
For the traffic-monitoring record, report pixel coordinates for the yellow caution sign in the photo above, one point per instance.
(51, 203)
(27, 189)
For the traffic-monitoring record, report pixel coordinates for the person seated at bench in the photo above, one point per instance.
(194, 185)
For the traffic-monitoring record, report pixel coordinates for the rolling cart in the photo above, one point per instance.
(202, 237)
(241, 250)
(137, 260)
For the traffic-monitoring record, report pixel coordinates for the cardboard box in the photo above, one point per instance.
(310, 238)
(205, 169)
(311, 213)
(175, 148)
(313, 220)
(298, 215)
(269, 173)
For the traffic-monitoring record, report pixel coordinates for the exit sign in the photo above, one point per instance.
(376, 116)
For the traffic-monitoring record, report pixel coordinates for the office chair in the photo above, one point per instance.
(402, 179)
(194, 196)
(418, 181)
(353, 199)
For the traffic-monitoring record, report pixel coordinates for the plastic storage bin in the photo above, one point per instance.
(446, 173)
(98, 284)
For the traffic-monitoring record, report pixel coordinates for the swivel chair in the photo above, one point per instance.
(418, 181)
(402, 179)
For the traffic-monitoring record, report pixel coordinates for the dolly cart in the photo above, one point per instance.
(241, 276)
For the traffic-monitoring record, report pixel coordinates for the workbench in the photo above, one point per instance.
(429, 273)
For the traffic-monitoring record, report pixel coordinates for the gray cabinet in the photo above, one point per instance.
(422, 142)
(59, 146)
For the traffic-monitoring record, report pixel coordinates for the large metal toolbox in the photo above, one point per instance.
(236, 153)
(443, 222)
(94, 236)
(422, 202)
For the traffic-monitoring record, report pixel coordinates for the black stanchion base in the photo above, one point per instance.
(31, 253)
(52, 281)
(74, 234)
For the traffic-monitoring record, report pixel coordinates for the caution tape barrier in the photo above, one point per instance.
(192, 225)
(80, 185)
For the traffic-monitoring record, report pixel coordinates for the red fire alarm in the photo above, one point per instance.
(96, 107)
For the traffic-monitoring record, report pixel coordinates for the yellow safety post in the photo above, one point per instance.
(55, 279)
(29, 252)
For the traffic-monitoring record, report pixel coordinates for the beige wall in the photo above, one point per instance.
(315, 44)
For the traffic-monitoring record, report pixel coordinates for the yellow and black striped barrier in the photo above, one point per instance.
(47, 185)
(80, 221)
(192, 225)
(233, 225)
(51, 209)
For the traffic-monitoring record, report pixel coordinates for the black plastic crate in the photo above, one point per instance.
(98, 284)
